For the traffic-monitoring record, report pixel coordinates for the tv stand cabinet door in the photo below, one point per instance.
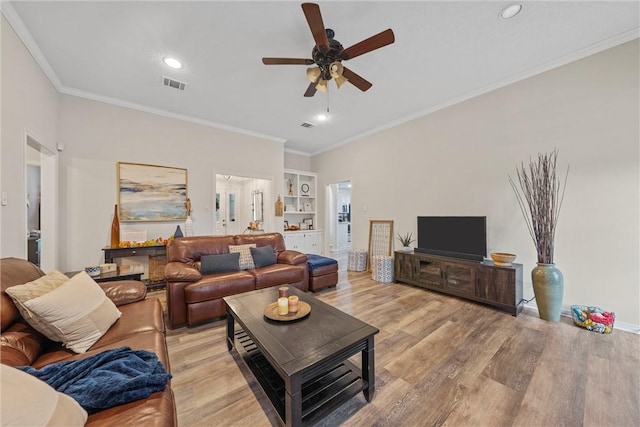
(500, 285)
(459, 278)
(405, 267)
(430, 273)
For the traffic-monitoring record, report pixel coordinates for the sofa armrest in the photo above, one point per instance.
(291, 257)
(123, 292)
(180, 272)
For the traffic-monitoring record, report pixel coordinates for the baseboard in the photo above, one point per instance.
(566, 312)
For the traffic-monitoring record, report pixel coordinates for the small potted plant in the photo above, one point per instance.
(406, 241)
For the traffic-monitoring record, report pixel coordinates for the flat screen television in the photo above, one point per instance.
(453, 236)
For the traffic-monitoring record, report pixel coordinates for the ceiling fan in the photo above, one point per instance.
(328, 54)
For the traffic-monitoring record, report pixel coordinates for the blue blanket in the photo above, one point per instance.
(107, 379)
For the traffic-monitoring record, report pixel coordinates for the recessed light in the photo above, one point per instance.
(322, 117)
(510, 11)
(172, 62)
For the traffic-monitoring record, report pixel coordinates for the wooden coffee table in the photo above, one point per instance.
(302, 365)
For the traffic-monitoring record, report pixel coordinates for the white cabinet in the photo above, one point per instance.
(313, 242)
(307, 242)
(295, 241)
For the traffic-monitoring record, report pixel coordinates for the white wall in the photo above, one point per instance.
(456, 162)
(98, 135)
(295, 161)
(29, 106)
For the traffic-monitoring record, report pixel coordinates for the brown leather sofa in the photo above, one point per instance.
(140, 327)
(194, 298)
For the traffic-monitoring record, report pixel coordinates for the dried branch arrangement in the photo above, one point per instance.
(540, 193)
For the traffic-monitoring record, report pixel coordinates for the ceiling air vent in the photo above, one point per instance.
(173, 83)
(307, 125)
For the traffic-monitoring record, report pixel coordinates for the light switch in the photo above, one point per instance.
(364, 208)
(4, 198)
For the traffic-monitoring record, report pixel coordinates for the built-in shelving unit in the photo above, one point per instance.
(300, 204)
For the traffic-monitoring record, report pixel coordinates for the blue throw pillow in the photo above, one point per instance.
(263, 256)
(219, 263)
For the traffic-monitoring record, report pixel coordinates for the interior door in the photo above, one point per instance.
(227, 212)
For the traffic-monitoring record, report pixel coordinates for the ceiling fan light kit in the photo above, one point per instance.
(328, 54)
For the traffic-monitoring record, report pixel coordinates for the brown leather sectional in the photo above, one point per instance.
(194, 298)
(140, 327)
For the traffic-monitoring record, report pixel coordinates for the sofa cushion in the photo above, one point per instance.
(278, 274)
(22, 294)
(246, 261)
(149, 340)
(79, 312)
(143, 316)
(220, 263)
(32, 402)
(219, 286)
(263, 256)
(319, 261)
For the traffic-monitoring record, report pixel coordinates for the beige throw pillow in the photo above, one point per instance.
(28, 401)
(21, 294)
(246, 260)
(78, 311)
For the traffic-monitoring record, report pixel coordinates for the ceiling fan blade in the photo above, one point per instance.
(356, 80)
(286, 61)
(314, 19)
(311, 90)
(372, 43)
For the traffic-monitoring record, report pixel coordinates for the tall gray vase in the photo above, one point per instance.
(548, 287)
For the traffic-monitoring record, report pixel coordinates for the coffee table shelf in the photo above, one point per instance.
(320, 395)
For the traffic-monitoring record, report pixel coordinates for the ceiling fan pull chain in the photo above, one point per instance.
(327, 99)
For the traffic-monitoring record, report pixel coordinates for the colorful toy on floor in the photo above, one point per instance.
(593, 318)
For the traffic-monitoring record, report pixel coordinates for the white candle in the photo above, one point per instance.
(283, 306)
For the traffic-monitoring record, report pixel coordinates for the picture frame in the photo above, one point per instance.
(286, 224)
(151, 193)
(309, 222)
(304, 226)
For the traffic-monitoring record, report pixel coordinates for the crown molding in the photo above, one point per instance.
(126, 104)
(7, 9)
(556, 63)
(18, 25)
(21, 30)
(300, 153)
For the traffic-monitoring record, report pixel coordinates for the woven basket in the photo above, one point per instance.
(156, 267)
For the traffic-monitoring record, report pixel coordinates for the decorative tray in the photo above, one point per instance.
(271, 312)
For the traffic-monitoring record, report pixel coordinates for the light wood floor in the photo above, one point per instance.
(439, 361)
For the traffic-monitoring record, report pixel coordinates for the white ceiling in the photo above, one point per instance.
(444, 52)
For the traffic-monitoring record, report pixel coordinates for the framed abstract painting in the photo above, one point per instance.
(151, 193)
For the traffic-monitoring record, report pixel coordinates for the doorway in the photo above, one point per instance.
(34, 193)
(338, 196)
(239, 201)
(40, 195)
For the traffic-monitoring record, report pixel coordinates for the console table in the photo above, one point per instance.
(124, 272)
(149, 251)
(483, 282)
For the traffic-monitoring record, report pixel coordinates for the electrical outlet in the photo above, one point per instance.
(4, 198)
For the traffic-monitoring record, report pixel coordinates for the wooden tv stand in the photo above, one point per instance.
(483, 282)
